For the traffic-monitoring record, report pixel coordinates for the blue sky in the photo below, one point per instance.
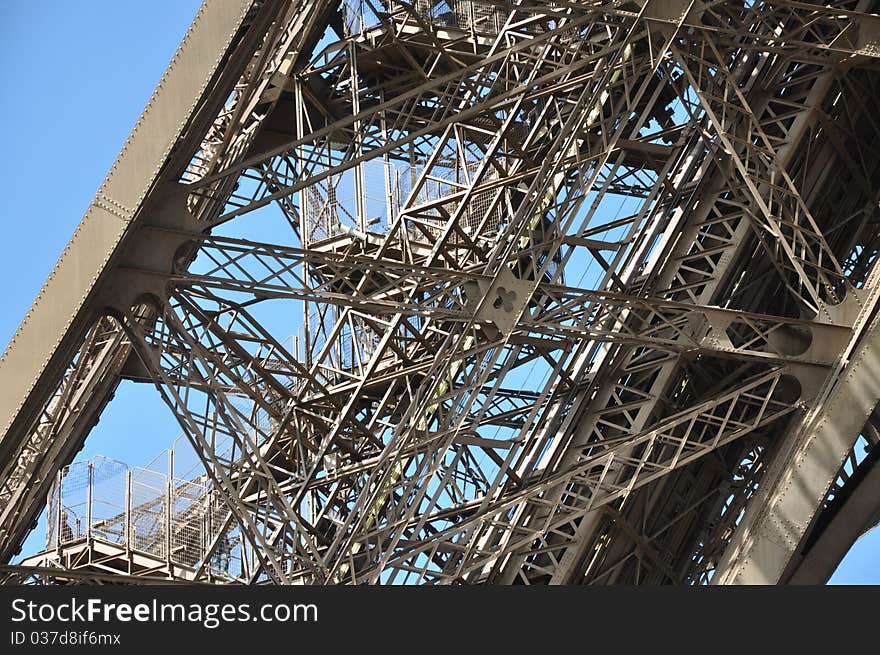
(74, 76)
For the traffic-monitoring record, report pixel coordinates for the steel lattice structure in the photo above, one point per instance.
(580, 292)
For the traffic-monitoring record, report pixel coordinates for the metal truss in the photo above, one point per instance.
(462, 292)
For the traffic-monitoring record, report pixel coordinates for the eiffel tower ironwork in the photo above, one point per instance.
(580, 292)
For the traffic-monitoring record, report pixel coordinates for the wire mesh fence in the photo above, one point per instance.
(480, 17)
(143, 510)
(481, 217)
(147, 513)
(331, 206)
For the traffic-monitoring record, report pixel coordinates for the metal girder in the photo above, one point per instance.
(47, 575)
(719, 253)
(580, 288)
(171, 110)
(32, 468)
(243, 273)
(794, 490)
(724, 242)
(181, 108)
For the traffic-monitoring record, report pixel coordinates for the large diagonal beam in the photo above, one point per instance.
(198, 80)
(30, 466)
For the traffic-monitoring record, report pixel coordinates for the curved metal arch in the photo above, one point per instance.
(853, 512)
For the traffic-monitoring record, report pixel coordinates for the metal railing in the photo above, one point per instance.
(140, 509)
(479, 17)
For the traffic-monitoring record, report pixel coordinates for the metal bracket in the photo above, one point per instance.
(500, 301)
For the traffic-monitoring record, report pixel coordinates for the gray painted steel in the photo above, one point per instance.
(583, 294)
